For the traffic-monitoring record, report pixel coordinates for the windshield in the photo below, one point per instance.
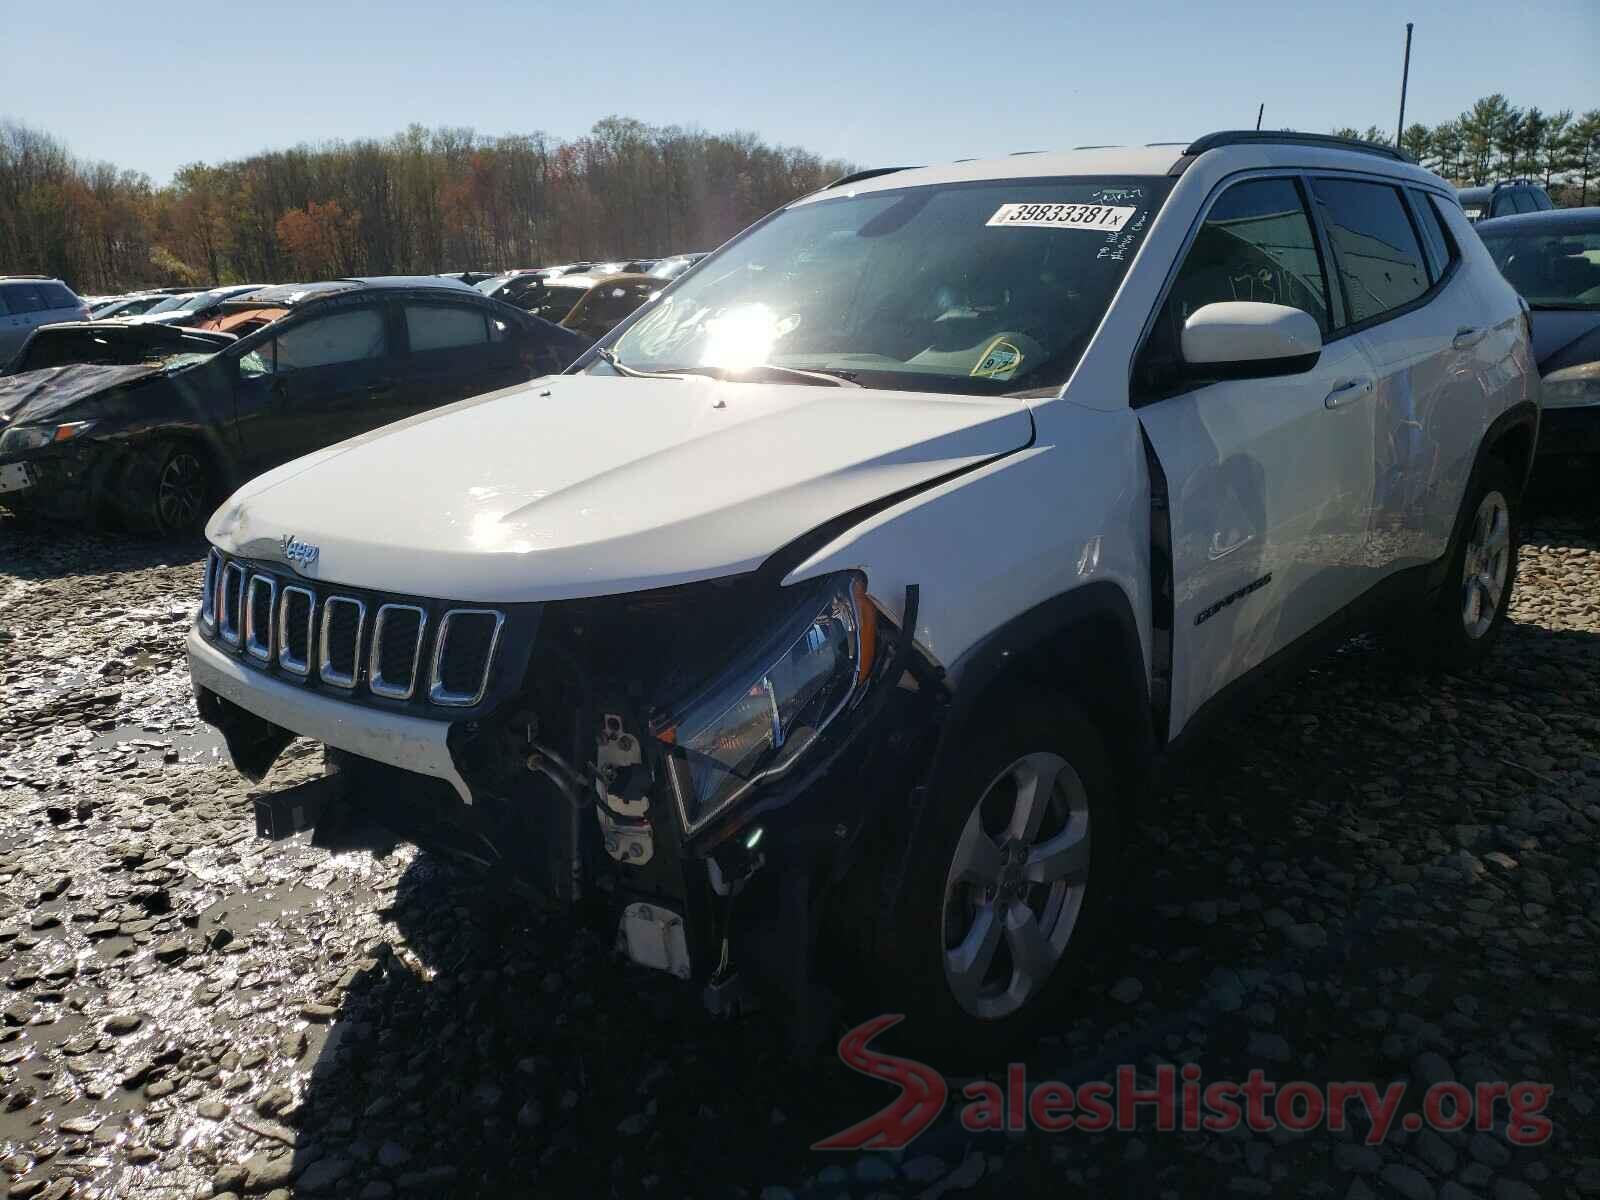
(66, 347)
(980, 288)
(1552, 268)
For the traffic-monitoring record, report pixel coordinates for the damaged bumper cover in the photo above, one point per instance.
(253, 711)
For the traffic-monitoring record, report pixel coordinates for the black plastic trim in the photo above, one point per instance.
(1265, 137)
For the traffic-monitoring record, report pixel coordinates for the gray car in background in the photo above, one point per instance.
(29, 301)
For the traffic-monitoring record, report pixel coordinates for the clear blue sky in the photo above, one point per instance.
(151, 85)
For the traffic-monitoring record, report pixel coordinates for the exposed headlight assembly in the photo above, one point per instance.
(1573, 387)
(31, 437)
(756, 723)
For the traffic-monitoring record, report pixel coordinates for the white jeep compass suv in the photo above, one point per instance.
(824, 620)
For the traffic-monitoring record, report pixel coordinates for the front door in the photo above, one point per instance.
(320, 380)
(1269, 481)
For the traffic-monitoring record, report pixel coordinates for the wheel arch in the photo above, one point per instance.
(1081, 644)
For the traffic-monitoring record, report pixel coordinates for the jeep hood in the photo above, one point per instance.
(584, 485)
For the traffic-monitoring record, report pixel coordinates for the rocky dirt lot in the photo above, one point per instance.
(1376, 876)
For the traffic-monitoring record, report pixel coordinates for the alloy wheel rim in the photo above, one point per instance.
(178, 498)
(1015, 886)
(1486, 567)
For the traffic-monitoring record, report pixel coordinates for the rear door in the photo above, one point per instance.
(1269, 481)
(319, 380)
(1419, 321)
(453, 350)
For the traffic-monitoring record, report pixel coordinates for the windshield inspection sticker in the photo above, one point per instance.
(1063, 216)
(999, 361)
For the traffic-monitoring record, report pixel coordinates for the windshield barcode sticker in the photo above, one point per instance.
(1063, 216)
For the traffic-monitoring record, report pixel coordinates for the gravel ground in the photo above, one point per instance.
(1373, 877)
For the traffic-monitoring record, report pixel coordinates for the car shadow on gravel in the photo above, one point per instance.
(37, 550)
(485, 1048)
(1298, 910)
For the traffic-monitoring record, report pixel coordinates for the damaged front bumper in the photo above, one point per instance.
(746, 890)
(57, 484)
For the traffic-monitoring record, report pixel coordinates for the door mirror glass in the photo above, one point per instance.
(1244, 339)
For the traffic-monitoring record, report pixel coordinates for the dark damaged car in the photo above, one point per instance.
(149, 426)
(1553, 260)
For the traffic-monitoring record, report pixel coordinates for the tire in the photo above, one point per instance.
(928, 952)
(167, 489)
(1464, 622)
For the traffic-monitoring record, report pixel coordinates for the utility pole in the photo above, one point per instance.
(1405, 78)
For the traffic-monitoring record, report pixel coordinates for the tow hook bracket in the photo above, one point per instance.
(283, 814)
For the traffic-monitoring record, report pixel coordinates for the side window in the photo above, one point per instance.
(1542, 201)
(1503, 205)
(22, 298)
(444, 327)
(1256, 244)
(1441, 246)
(1379, 258)
(325, 341)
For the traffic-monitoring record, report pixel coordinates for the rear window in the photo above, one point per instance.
(1380, 260)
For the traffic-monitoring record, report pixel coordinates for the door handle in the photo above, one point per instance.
(1348, 393)
(1466, 336)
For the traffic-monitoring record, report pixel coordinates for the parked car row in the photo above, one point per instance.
(826, 620)
(151, 424)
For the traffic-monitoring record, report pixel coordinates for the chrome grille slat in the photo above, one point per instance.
(208, 589)
(341, 645)
(415, 651)
(294, 650)
(404, 626)
(258, 620)
(439, 689)
(230, 597)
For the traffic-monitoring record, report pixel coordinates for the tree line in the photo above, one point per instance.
(1495, 139)
(423, 201)
(429, 200)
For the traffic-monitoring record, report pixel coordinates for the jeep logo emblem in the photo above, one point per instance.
(300, 554)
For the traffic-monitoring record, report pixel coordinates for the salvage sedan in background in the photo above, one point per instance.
(153, 435)
(1553, 260)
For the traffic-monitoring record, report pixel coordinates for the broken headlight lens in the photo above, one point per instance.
(757, 722)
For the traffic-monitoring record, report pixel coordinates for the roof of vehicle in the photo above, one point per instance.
(1483, 191)
(1555, 219)
(1156, 158)
(27, 278)
(286, 294)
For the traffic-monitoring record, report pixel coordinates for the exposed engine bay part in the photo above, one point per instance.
(654, 937)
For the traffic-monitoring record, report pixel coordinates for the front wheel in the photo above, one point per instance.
(168, 489)
(1012, 874)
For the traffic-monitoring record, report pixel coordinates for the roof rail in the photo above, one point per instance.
(1256, 137)
(860, 175)
(1102, 146)
(1519, 181)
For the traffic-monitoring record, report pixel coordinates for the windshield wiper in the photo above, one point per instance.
(810, 375)
(621, 368)
(1569, 306)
